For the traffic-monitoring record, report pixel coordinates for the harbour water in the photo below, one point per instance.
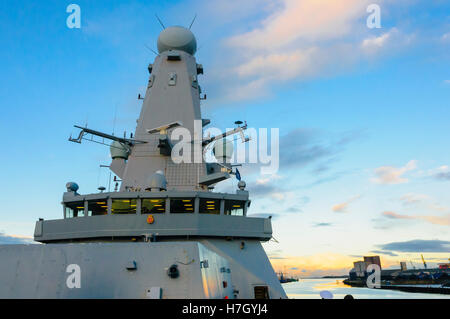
(310, 289)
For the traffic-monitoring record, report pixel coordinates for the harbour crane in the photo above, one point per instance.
(424, 263)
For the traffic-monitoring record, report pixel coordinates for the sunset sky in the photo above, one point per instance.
(363, 114)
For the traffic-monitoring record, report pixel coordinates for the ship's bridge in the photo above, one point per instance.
(140, 203)
(142, 216)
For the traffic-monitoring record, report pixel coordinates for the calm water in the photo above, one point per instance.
(310, 289)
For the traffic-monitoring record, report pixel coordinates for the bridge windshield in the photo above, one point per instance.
(97, 207)
(182, 205)
(153, 206)
(121, 206)
(209, 206)
(234, 207)
(124, 206)
(75, 209)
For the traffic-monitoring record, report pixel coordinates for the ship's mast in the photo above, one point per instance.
(172, 100)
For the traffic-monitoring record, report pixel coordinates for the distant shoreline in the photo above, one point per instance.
(326, 277)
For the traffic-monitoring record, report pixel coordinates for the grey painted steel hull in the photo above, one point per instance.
(165, 225)
(40, 271)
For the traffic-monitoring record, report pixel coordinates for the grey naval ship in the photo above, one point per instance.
(164, 233)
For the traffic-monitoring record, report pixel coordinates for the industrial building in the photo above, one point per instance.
(403, 266)
(360, 267)
(370, 260)
(438, 275)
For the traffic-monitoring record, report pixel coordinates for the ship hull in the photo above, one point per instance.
(203, 269)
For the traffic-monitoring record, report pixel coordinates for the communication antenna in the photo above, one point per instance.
(109, 179)
(99, 173)
(159, 20)
(193, 20)
(150, 49)
(114, 120)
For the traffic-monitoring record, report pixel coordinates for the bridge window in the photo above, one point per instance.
(153, 206)
(182, 205)
(209, 206)
(97, 207)
(234, 207)
(75, 209)
(124, 206)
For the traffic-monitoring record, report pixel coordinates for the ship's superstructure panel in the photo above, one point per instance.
(172, 97)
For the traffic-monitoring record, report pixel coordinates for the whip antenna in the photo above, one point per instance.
(160, 22)
(193, 20)
(150, 49)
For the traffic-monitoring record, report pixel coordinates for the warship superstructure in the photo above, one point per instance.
(165, 233)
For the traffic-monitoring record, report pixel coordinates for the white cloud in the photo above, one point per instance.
(275, 64)
(342, 207)
(266, 180)
(441, 173)
(422, 202)
(305, 20)
(393, 175)
(413, 198)
(394, 215)
(435, 220)
(376, 44)
(302, 39)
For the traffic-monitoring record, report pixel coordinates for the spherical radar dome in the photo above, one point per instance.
(177, 38)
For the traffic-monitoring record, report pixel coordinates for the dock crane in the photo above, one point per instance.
(424, 263)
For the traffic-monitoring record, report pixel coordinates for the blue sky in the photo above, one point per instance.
(363, 112)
